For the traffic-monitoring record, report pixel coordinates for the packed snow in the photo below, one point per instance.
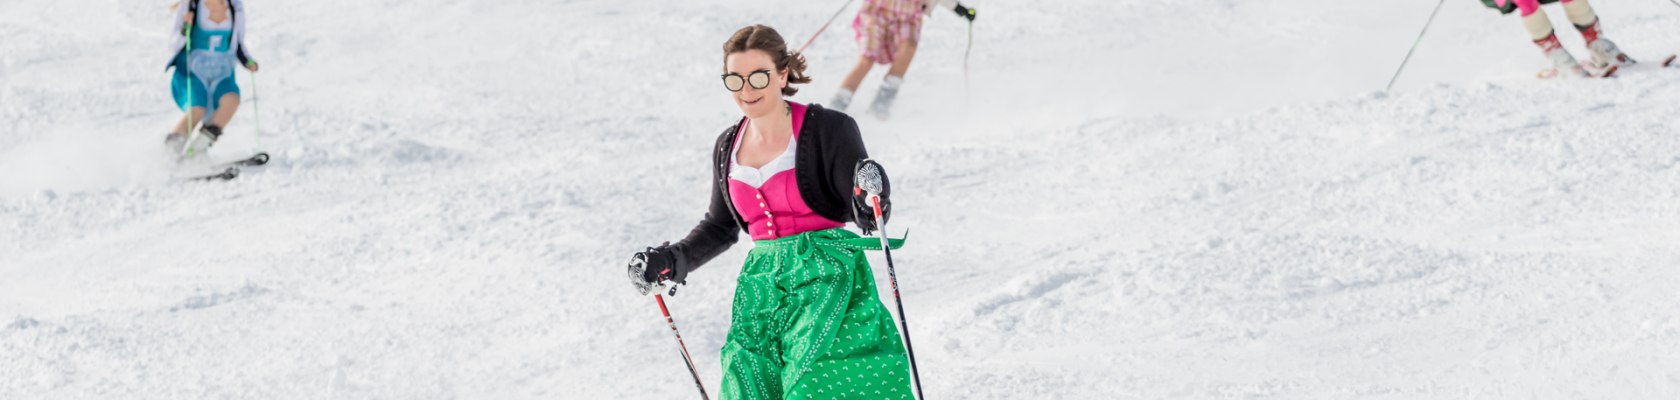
(1151, 199)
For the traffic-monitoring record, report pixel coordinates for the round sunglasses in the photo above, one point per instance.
(759, 79)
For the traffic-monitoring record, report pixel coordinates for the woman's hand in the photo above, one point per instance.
(871, 185)
(653, 266)
(252, 66)
(188, 18)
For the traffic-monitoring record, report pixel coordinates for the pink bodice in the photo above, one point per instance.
(774, 208)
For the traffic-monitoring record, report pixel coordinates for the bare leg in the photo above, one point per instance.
(901, 60)
(228, 105)
(859, 71)
(182, 127)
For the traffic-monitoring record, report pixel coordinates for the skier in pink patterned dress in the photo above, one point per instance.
(1605, 54)
(887, 32)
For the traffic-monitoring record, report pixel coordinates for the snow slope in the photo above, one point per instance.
(1135, 199)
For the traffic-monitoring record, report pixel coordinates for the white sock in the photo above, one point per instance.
(892, 82)
(1580, 13)
(1538, 25)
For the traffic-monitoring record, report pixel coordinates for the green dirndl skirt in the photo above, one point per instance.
(808, 323)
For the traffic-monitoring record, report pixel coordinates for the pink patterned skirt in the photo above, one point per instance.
(882, 25)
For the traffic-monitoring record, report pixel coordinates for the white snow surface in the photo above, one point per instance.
(1149, 199)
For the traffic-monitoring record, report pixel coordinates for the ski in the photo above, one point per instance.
(1587, 70)
(226, 174)
(252, 161)
(227, 170)
(1605, 73)
(1669, 62)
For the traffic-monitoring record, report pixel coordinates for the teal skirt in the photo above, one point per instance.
(190, 88)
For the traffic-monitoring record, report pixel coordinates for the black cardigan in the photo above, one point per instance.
(828, 150)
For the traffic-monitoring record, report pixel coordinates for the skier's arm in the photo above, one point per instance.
(178, 33)
(843, 155)
(714, 234)
(962, 11)
(245, 58)
(178, 26)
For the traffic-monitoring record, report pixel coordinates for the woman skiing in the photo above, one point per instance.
(1605, 54)
(806, 320)
(887, 32)
(208, 41)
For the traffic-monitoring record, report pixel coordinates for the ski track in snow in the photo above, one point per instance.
(1138, 199)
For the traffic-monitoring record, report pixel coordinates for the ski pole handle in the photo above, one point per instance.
(869, 177)
(638, 269)
(965, 12)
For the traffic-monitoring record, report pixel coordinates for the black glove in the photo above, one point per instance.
(863, 210)
(866, 211)
(655, 265)
(965, 12)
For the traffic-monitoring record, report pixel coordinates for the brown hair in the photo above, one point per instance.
(760, 37)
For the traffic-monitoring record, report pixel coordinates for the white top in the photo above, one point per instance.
(205, 21)
(236, 20)
(756, 177)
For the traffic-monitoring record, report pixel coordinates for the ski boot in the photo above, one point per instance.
(206, 137)
(842, 99)
(1604, 52)
(173, 143)
(1563, 64)
(882, 106)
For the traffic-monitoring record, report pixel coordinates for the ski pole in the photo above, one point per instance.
(686, 359)
(967, 49)
(824, 26)
(869, 181)
(968, 13)
(638, 264)
(192, 133)
(256, 107)
(1414, 46)
(968, 90)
